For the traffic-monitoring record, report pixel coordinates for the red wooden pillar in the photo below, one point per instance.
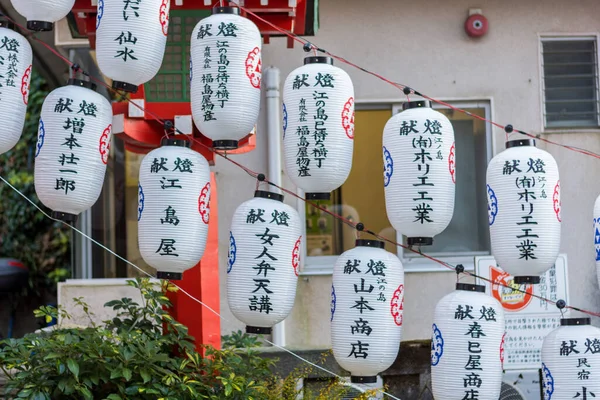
(202, 282)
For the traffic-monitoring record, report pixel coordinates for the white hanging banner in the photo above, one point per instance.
(367, 303)
(467, 348)
(131, 37)
(419, 176)
(571, 361)
(15, 75)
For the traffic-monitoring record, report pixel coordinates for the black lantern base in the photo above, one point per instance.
(532, 280)
(124, 86)
(70, 218)
(40, 26)
(225, 144)
(575, 321)
(318, 196)
(172, 276)
(363, 379)
(257, 330)
(419, 241)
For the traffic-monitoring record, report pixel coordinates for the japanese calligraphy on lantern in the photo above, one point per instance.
(318, 143)
(131, 36)
(419, 141)
(225, 62)
(174, 207)
(528, 319)
(571, 361)
(367, 307)
(467, 345)
(264, 259)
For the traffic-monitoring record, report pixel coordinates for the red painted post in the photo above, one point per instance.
(202, 282)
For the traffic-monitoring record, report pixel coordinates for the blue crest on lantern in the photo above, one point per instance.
(437, 346)
(597, 237)
(41, 136)
(333, 301)
(232, 252)
(492, 205)
(548, 382)
(100, 12)
(191, 73)
(140, 201)
(285, 117)
(388, 166)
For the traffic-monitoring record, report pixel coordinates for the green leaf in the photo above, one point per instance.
(127, 374)
(114, 397)
(73, 367)
(145, 375)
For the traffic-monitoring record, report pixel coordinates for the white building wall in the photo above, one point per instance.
(423, 45)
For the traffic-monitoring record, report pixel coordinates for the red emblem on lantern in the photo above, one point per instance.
(164, 16)
(204, 203)
(254, 67)
(348, 119)
(296, 255)
(104, 146)
(556, 201)
(397, 305)
(452, 163)
(502, 349)
(25, 84)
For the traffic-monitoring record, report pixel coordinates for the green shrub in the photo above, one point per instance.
(142, 353)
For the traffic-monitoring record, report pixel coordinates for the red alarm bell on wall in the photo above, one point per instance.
(476, 25)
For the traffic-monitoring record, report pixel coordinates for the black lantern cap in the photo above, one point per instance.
(268, 195)
(416, 104)
(318, 196)
(363, 379)
(419, 241)
(172, 276)
(82, 83)
(318, 60)
(468, 287)
(575, 321)
(522, 280)
(519, 143)
(124, 86)
(7, 24)
(70, 218)
(369, 243)
(257, 330)
(40, 26)
(225, 144)
(226, 10)
(175, 142)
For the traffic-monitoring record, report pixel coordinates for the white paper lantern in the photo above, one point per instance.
(419, 172)
(173, 208)
(15, 74)
(72, 150)
(42, 14)
(467, 345)
(264, 257)
(597, 236)
(571, 361)
(367, 303)
(130, 40)
(225, 76)
(523, 191)
(318, 134)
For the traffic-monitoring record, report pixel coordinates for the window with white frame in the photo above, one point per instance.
(361, 198)
(570, 82)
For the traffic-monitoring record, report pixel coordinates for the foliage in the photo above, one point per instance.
(142, 353)
(25, 234)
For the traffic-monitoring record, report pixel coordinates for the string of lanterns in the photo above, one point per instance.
(523, 191)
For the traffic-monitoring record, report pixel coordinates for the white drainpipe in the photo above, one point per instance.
(273, 109)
